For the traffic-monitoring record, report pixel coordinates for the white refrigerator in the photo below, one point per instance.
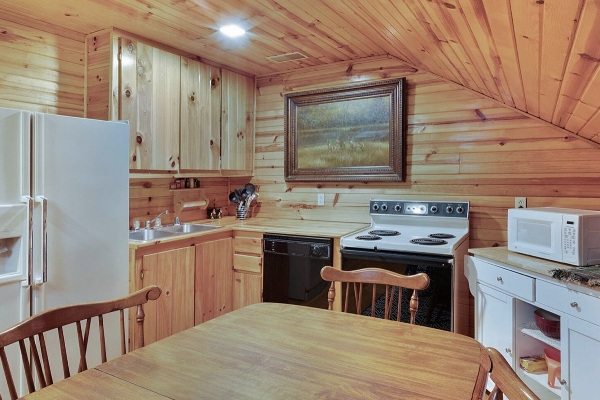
(64, 204)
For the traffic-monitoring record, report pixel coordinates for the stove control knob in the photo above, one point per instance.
(449, 209)
(434, 209)
(375, 207)
(384, 207)
(397, 207)
(460, 210)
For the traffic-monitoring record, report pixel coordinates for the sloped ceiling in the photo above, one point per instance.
(538, 56)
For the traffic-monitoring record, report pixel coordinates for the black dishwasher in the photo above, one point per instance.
(292, 269)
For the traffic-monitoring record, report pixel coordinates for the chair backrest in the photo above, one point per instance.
(26, 331)
(505, 379)
(356, 282)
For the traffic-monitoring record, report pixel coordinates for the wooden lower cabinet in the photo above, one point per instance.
(247, 289)
(247, 266)
(213, 281)
(173, 272)
(195, 275)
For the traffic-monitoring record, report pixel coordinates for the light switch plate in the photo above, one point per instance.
(320, 199)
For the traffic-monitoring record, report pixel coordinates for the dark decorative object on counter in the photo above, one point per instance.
(589, 276)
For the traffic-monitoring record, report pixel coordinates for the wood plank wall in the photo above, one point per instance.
(150, 196)
(460, 146)
(41, 67)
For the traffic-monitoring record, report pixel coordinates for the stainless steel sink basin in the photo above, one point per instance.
(188, 228)
(147, 235)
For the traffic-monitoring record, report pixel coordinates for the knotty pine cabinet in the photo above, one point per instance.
(184, 116)
(149, 99)
(200, 116)
(237, 122)
(213, 279)
(173, 311)
(247, 267)
(195, 275)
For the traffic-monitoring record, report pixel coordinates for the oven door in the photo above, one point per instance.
(435, 302)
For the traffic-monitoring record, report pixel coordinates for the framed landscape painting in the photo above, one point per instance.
(351, 133)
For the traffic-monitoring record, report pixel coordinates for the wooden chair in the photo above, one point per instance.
(506, 381)
(374, 276)
(60, 317)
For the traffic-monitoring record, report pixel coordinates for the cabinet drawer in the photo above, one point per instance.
(248, 263)
(247, 245)
(509, 281)
(568, 301)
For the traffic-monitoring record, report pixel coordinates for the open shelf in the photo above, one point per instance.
(541, 382)
(532, 330)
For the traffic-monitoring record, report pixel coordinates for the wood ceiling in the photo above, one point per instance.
(538, 56)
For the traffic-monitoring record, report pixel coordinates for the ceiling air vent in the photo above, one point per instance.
(287, 57)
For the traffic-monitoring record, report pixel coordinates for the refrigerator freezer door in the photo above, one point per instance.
(14, 226)
(14, 155)
(81, 170)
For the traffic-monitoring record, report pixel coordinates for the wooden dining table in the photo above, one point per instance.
(281, 351)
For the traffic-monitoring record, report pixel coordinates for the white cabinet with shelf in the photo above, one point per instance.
(506, 297)
(495, 317)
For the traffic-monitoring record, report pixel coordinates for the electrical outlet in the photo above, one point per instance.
(320, 199)
(520, 202)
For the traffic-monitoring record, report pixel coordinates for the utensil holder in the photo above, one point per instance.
(241, 212)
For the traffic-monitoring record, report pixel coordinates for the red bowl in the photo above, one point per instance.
(548, 323)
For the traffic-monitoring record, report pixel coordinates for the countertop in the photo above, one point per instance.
(530, 264)
(265, 225)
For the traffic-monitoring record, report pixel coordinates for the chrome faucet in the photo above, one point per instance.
(157, 219)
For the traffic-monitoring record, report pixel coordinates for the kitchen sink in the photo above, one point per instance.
(147, 235)
(188, 228)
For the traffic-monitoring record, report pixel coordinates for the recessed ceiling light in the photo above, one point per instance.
(232, 31)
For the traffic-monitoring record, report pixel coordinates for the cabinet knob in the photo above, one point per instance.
(574, 304)
(508, 350)
(562, 382)
(499, 279)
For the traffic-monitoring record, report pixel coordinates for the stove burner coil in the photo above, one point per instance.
(384, 232)
(428, 241)
(442, 236)
(368, 237)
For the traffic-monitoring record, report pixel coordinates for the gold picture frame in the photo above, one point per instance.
(350, 133)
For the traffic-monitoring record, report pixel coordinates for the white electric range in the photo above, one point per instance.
(410, 236)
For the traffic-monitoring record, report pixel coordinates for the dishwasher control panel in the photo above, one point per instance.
(298, 246)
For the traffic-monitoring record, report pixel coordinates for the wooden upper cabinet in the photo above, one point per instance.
(149, 99)
(200, 116)
(237, 121)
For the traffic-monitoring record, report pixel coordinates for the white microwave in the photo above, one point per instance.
(559, 234)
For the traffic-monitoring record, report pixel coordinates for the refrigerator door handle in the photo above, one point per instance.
(30, 204)
(44, 202)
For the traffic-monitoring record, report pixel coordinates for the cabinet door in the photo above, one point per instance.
(149, 91)
(494, 321)
(214, 275)
(237, 122)
(581, 357)
(247, 289)
(173, 272)
(200, 116)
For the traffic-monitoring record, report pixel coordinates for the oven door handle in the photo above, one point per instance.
(401, 257)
